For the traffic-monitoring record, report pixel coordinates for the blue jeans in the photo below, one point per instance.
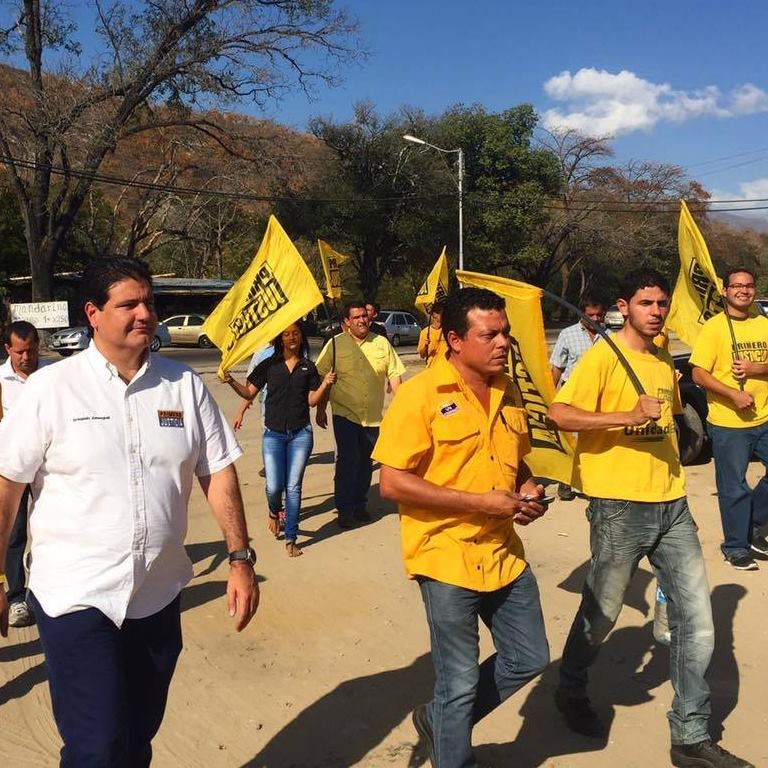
(285, 458)
(742, 510)
(466, 691)
(621, 533)
(352, 481)
(109, 685)
(14, 559)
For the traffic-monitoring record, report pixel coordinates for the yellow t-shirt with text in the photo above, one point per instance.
(636, 463)
(713, 351)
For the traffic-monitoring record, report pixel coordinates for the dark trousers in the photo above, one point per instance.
(109, 685)
(14, 560)
(352, 481)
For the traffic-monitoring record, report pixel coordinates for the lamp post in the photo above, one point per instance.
(460, 153)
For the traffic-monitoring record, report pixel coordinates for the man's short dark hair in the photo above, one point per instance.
(735, 270)
(23, 330)
(590, 300)
(460, 302)
(437, 307)
(637, 279)
(101, 274)
(350, 305)
(375, 306)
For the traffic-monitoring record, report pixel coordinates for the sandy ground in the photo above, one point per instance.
(338, 655)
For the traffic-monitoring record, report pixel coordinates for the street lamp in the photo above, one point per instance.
(460, 153)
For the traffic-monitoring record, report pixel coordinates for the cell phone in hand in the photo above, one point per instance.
(540, 499)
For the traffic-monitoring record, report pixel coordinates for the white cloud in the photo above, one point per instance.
(749, 191)
(601, 103)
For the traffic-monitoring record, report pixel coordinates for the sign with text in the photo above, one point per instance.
(42, 314)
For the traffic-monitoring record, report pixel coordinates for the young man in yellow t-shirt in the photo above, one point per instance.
(627, 462)
(451, 448)
(737, 395)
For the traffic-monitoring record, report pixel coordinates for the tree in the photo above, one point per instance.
(156, 61)
(370, 202)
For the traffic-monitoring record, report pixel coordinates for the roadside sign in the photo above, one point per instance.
(42, 314)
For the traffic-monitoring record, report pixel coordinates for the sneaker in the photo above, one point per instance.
(424, 729)
(578, 714)
(262, 472)
(20, 615)
(705, 754)
(345, 522)
(743, 562)
(362, 515)
(565, 492)
(759, 545)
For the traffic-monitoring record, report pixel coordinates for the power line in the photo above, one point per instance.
(587, 206)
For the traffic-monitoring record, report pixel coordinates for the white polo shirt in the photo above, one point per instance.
(111, 467)
(11, 383)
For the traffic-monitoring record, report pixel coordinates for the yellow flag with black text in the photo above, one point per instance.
(276, 290)
(552, 451)
(698, 291)
(331, 260)
(435, 287)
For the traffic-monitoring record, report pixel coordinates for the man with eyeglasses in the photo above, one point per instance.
(730, 361)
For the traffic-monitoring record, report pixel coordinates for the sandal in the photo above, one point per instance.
(292, 549)
(273, 523)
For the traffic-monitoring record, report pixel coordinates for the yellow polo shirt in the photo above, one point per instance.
(362, 369)
(433, 341)
(713, 351)
(436, 428)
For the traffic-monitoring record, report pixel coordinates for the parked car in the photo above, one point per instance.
(402, 327)
(188, 329)
(69, 340)
(613, 318)
(162, 337)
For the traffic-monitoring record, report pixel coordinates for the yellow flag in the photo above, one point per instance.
(435, 287)
(331, 260)
(698, 291)
(551, 450)
(275, 291)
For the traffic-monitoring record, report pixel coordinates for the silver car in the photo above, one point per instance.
(613, 318)
(401, 327)
(70, 340)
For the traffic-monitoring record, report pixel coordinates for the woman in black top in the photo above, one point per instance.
(293, 385)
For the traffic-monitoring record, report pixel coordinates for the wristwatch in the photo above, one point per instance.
(248, 555)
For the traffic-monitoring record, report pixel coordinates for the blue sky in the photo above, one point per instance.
(677, 82)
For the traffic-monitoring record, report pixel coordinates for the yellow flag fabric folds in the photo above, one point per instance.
(275, 291)
(435, 287)
(698, 291)
(551, 450)
(331, 260)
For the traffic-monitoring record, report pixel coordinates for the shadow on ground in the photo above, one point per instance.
(342, 727)
(623, 676)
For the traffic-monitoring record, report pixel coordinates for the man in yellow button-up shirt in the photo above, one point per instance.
(451, 450)
(363, 362)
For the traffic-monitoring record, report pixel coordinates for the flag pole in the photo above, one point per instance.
(734, 345)
(597, 328)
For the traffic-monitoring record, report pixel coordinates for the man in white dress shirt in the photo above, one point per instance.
(22, 345)
(110, 441)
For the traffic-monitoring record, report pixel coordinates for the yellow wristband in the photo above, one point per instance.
(2, 578)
